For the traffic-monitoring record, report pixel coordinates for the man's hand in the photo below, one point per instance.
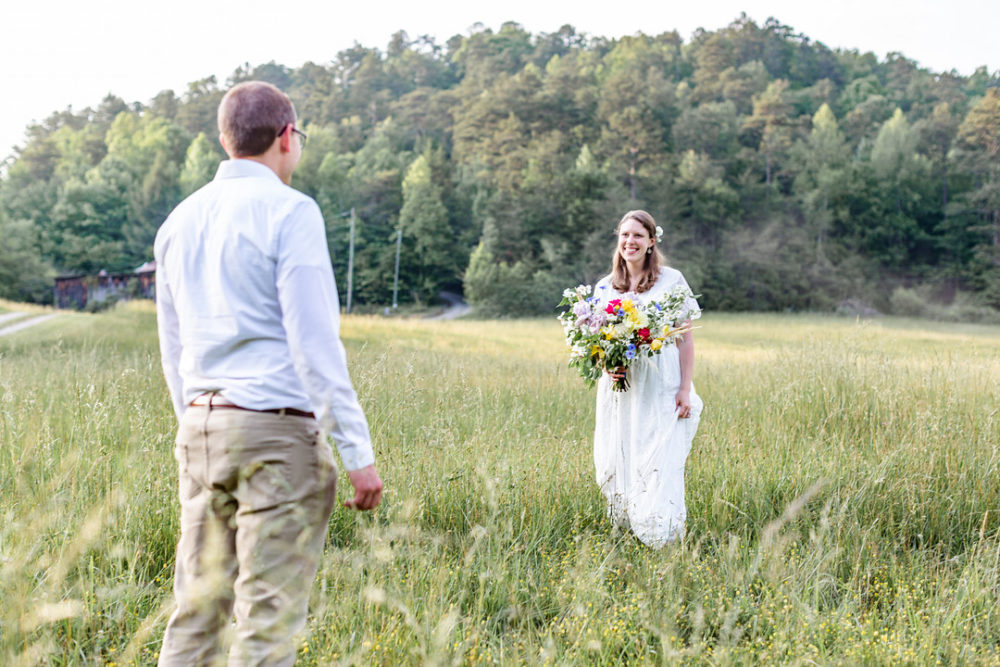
(367, 489)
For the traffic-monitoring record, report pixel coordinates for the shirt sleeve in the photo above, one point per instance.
(310, 311)
(170, 342)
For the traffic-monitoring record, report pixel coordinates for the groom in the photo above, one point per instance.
(248, 320)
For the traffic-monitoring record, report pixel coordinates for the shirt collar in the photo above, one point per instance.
(240, 168)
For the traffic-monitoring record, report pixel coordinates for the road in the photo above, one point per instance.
(456, 307)
(23, 323)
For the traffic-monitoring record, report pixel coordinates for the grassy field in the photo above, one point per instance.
(843, 500)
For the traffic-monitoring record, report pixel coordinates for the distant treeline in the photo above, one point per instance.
(787, 175)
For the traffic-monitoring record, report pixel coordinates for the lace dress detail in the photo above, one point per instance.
(640, 445)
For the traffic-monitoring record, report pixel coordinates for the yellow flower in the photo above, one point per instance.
(656, 344)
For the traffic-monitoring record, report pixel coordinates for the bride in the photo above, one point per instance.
(643, 435)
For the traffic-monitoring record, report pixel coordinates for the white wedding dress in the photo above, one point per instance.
(640, 444)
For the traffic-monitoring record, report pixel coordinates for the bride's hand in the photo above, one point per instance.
(617, 374)
(683, 403)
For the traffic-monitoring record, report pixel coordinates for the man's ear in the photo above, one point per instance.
(284, 141)
(222, 140)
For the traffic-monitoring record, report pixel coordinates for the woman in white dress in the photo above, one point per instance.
(643, 435)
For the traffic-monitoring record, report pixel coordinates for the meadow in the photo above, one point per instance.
(843, 500)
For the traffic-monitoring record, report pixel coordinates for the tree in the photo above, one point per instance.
(822, 177)
(24, 275)
(703, 200)
(534, 144)
(710, 128)
(200, 163)
(431, 259)
(635, 109)
(978, 144)
(771, 120)
(894, 232)
(936, 135)
(979, 138)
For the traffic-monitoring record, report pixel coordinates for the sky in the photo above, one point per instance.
(56, 54)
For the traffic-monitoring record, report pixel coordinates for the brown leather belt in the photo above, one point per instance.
(215, 401)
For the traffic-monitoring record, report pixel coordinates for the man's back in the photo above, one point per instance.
(248, 318)
(220, 252)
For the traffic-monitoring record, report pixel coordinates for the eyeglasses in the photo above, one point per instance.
(302, 135)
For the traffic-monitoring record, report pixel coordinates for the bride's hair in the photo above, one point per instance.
(650, 267)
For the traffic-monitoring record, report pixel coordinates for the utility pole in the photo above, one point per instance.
(395, 279)
(350, 265)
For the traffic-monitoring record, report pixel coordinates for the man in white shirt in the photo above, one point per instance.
(248, 319)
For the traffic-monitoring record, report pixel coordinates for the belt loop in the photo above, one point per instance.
(281, 412)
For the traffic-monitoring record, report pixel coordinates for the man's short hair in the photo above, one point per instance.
(251, 115)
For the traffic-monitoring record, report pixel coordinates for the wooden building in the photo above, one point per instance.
(77, 291)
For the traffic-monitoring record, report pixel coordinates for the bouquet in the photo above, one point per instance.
(608, 336)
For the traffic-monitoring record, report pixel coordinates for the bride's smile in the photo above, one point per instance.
(633, 241)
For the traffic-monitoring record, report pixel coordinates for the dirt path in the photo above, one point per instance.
(7, 317)
(456, 307)
(17, 326)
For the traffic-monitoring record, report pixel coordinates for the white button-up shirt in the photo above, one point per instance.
(247, 305)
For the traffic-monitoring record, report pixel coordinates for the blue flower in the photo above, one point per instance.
(630, 352)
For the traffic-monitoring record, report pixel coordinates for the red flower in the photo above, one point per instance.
(644, 335)
(612, 305)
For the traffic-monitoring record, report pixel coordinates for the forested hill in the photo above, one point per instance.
(787, 175)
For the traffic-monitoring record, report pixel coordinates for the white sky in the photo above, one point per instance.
(57, 53)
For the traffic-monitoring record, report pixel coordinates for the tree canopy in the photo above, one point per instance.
(787, 175)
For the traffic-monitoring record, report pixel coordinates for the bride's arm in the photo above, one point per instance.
(685, 349)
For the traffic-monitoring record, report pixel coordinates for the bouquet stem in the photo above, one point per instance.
(623, 383)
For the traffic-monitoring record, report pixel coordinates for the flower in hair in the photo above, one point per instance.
(659, 233)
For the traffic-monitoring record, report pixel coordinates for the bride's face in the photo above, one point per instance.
(633, 241)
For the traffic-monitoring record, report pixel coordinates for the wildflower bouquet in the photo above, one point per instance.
(607, 336)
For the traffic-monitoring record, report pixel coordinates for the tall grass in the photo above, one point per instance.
(843, 499)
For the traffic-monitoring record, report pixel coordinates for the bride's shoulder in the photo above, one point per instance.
(603, 287)
(669, 276)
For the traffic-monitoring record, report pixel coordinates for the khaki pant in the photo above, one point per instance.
(256, 492)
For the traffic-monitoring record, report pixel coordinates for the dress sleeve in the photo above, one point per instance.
(602, 290)
(694, 310)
